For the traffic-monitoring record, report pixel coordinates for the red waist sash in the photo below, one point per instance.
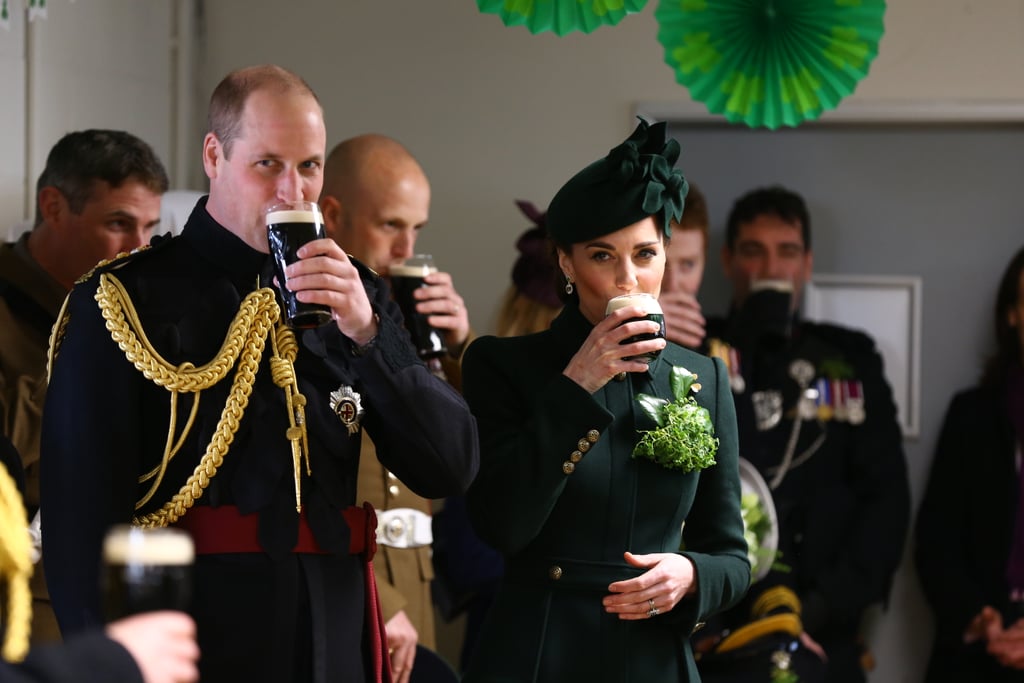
(223, 529)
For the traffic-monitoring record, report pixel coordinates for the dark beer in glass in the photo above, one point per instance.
(654, 314)
(146, 570)
(406, 278)
(289, 226)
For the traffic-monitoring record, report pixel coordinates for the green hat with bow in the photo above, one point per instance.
(636, 180)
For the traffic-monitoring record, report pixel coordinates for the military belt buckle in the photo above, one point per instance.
(404, 528)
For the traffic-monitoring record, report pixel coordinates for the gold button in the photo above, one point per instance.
(568, 467)
(576, 456)
(621, 376)
(391, 476)
(583, 445)
(393, 490)
(555, 573)
(593, 435)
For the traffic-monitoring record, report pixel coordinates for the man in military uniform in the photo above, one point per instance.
(98, 195)
(178, 396)
(376, 199)
(817, 420)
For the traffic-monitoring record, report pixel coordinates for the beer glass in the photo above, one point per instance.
(289, 226)
(654, 314)
(145, 570)
(406, 277)
(768, 308)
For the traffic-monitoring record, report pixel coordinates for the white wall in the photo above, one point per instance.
(102, 64)
(12, 122)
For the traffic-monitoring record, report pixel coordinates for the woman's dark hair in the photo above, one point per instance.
(659, 223)
(1008, 349)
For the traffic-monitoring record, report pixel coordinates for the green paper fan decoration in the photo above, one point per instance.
(561, 16)
(770, 63)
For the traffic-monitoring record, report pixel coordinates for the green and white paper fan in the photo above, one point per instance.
(770, 63)
(561, 16)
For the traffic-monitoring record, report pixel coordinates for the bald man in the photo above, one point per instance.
(375, 201)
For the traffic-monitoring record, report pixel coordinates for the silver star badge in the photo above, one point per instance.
(346, 404)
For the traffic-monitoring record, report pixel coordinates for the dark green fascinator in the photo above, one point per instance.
(636, 180)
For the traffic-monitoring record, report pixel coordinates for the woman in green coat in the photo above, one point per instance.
(579, 488)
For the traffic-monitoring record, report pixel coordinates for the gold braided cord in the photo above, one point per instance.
(115, 304)
(282, 370)
(774, 598)
(15, 569)
(169, 450)
(243, 345)
(60, 326)
(787, 622)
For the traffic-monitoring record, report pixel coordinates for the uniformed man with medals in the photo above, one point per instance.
(818, 421)
(180, 395)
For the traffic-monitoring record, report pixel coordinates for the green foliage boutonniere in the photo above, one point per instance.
(685, 438)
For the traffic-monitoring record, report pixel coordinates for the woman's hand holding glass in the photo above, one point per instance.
(602, 355)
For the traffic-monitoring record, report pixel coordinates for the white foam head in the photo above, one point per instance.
(293, 216)
(133, 545)
(414, 270)
(646, 301)
(778, 285)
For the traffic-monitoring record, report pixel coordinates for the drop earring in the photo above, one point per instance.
(568, 285)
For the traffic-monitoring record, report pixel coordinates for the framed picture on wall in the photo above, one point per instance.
(888, 308)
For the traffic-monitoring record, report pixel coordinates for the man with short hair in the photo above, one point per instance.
(817, 419)
(99, 195)
(376, 199)
(178, 396)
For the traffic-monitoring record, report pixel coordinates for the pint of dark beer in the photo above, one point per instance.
(146, 570)
(406, 278)
(289, 226)
(654, 314)
(768, 309)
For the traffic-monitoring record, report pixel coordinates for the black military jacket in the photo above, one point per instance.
(105, 424)
(843, 499)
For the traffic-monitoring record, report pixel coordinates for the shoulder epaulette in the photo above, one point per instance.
(126, 257)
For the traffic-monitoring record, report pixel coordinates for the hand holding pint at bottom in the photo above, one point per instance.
(147, 587)
(163, 645)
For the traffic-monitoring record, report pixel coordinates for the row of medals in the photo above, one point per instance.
(820, 398)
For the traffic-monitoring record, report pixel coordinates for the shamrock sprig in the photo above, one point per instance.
(685, 438)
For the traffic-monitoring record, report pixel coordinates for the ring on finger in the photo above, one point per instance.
(653, 611)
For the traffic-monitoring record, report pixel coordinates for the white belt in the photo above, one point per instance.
(404, 528)
(35, 533)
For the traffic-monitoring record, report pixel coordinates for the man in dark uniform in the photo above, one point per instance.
(817, 420)
(177, 397)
